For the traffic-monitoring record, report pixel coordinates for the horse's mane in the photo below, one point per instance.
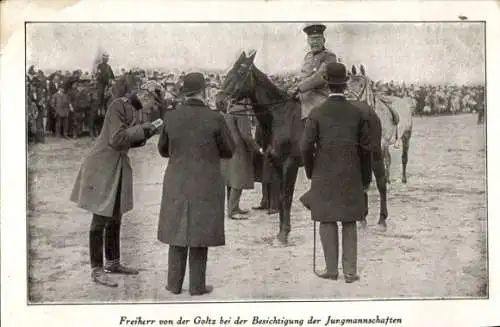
(267, 87)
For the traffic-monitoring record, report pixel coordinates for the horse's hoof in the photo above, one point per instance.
(403, 180)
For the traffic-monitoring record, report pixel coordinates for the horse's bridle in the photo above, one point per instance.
(249, 107)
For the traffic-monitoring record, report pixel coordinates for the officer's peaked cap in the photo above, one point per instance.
(314, 29)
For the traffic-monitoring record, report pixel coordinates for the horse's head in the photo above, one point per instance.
(125, 85)
(359, 87)
(239, 82)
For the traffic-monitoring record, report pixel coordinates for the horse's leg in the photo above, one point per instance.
(404, 155)
(387, 163)
(288, 178)
(363, 221)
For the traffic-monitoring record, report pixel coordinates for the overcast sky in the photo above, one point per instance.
(412, 52)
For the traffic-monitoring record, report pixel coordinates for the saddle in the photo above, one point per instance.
(388, 103)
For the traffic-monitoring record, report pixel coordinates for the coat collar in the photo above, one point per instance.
(337, 96)
(195, 102)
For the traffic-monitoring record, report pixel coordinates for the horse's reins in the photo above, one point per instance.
(250, 108)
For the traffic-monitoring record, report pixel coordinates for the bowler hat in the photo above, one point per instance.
(193, 83)
(311, 29)
(336, 74)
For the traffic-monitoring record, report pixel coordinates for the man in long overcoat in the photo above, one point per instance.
(239, 171)
(336, 147)
(194, 138)
(104, 185)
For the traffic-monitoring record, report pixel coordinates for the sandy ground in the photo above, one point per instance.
(435, 245)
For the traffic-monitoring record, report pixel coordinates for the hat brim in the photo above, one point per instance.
(189, 92)
(316, 29)
(338, 81)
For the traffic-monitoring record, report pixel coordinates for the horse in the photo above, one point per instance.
(404, 108)
(279, 115)
(395, 115)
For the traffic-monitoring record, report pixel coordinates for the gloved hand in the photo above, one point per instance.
(149, 129)
(293, 91)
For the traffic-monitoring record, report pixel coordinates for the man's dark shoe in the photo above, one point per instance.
(351, 279)
(208, 289)
(273, 211)
(99, 277)
(173, 290)
(120, 269)
(327, 275)
(241, 211)
(261, 207)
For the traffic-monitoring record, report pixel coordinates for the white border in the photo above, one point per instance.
(13, 177)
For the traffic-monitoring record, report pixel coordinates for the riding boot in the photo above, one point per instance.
(96, 238)
(274, 197)
(234, 202)
(264, 202)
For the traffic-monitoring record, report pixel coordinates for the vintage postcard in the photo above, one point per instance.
(225, 165)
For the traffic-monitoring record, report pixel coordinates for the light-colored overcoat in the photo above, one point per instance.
(108, 164)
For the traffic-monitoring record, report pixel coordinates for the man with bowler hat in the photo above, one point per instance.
(336, 146)
(311, 87)
(194, 138)
(104, 185)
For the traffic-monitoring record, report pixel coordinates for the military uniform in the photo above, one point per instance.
(104, 76)
(82, 107)
(104, 185)
(312, 87)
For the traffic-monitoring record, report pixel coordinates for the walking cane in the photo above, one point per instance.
(314, 249)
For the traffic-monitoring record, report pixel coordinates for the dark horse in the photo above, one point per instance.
(280, 119)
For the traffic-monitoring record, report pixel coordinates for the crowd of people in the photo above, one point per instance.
(209, 151)
(67, 104)
(71, 104)
(438, 99)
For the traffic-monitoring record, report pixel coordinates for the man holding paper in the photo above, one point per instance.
(104, 184)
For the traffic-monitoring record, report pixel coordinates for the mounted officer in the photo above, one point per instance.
(311, 87)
